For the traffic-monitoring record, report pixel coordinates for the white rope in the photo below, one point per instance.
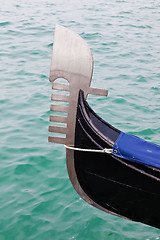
(105, 150)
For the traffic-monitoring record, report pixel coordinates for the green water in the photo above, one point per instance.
(37, 200)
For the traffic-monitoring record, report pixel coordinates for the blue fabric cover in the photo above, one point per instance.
(137, 150)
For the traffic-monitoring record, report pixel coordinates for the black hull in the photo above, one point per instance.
(125, 189)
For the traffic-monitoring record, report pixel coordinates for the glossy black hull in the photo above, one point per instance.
(125, 189)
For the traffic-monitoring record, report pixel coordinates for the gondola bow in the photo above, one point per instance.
(113, 171)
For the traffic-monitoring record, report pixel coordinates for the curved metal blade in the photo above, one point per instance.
(71, 58)
(73, 61)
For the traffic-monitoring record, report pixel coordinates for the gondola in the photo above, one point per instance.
(111, 170)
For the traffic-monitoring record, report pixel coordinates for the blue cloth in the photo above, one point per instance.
(137, 150)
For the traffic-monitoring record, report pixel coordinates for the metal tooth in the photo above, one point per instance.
(59, 108)
(55, 118)
(57, 129)
(60, 86)
(57, 140)
(97, 91)
(57, 97)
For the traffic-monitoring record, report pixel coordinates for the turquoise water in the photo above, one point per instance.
(37, 200)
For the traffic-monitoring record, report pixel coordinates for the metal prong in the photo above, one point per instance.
(55, 118)
(59, 108)
(97, 91)
(57, 129)
(57, 97)
(57, 140)
(60, 86)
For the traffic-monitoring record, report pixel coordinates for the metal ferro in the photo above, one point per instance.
(73, 61)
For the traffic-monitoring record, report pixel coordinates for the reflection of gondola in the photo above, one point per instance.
(111, 170)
